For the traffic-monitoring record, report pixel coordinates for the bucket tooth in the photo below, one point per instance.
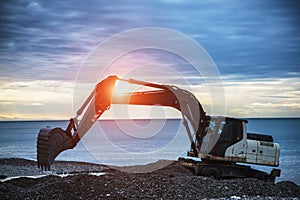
(50, 143)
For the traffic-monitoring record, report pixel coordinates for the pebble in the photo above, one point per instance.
(171, 182)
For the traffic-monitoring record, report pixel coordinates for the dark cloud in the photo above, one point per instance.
(42, 40)
(258, 38)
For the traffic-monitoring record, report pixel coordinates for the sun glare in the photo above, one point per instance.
(124, 88)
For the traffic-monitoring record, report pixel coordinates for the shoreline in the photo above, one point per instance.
(136, 119)
(170, 181)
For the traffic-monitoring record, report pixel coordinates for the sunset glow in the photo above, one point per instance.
(43, 51)
(124, 88)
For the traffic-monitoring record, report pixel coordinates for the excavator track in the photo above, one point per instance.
(50, 143)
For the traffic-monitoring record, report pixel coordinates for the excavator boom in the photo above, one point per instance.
(51, 142)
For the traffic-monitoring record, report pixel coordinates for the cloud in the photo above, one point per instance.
(259, 39)
(251, 42)
(53, 39)
(263, 97)
(36, 98)
(247, 42)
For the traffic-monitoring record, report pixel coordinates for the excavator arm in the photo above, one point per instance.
(51, 142)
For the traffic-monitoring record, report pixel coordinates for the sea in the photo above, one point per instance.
(135, 142)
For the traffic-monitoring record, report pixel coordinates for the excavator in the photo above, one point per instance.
(218, 145)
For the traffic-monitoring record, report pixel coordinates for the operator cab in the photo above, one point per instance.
(221, 133)
(228, 131)
(226, 139)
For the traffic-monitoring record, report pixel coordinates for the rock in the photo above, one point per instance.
(170, 182)
(3, 177)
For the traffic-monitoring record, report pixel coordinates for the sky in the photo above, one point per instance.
(254, 44)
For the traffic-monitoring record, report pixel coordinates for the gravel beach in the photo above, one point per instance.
(74, 180)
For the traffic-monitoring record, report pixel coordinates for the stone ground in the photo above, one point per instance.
(170, 182)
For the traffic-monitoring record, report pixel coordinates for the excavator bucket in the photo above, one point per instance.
(50, 143)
